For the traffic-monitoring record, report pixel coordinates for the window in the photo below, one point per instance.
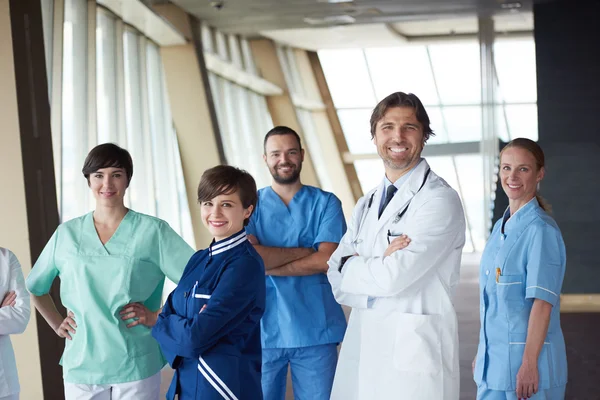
(48, 27)
(446, 77)
(73, 194)
(242, 113)
(127, 105)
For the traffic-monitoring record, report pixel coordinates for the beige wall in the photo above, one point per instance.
(176, 17)
(13, 212)
(191, 116)
(195, 132)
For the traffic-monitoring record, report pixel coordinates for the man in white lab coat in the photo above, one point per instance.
(397, 266)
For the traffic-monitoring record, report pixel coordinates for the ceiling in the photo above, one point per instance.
(400, 33)
(252, 17)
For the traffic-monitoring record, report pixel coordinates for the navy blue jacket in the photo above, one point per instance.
(216, 350)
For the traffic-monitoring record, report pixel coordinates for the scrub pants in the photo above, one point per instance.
(313, 369)
(11, 397)
(145, 389)
(557, 393)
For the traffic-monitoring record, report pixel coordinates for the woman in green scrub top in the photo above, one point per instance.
(112, 264)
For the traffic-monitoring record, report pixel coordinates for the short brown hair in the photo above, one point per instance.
(107, 155)
(281, 130)
(401, 99)
(225, 179)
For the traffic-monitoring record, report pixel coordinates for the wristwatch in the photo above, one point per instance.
(343, 261)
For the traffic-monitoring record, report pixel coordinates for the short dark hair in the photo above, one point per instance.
(107, 155)
(225, 179)
(281, 130)
(401, 99)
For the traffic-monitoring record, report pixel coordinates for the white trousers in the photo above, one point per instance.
(145, 389)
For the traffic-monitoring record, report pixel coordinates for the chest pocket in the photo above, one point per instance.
(197, 299)
(510, 290)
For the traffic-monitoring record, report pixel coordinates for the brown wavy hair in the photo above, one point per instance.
(401, 99)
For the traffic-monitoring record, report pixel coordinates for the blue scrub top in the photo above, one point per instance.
(300, 311)
(530, 252)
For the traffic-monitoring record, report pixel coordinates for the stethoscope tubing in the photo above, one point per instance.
(366, 208)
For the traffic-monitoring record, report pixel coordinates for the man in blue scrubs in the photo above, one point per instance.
(295, 228)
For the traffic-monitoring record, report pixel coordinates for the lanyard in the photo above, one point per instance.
(365, 210)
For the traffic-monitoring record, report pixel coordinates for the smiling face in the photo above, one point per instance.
(519, 175)
(284, 158)
(399, 140)
(224, 215)
(108, 186)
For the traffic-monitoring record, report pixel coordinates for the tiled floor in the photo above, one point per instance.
(581, 335)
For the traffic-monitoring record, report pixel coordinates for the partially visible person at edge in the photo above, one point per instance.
(295, 229)
(14, 316)
(209, 329)
(112, 264)
(521, 353)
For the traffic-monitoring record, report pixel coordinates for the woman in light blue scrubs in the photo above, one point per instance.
(521, 351)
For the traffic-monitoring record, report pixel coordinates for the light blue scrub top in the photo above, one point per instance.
(300, 311)
(531, 255)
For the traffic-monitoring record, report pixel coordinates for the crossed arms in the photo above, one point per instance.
(436, 228)
(294, 261)
(14, 307)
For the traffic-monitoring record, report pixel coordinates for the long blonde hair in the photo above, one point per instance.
(540, 162)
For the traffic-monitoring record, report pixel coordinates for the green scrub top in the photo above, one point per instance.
(97, 281)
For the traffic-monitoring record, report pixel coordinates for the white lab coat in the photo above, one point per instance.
(402, 336)
(12, 319)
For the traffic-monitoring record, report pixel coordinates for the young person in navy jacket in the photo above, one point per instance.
(209, 328)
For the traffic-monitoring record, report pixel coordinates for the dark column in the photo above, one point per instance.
(38, 165)
(567, 40)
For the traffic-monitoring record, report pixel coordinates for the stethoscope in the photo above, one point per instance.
(367, 207)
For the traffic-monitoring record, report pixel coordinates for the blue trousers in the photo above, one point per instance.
(313, 369)
(557, 393)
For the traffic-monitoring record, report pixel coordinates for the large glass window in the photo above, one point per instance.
(402, 69)
(137, 123)
(348, 78)
(130, 108)
(108, 93)
(242, 113)
(48, 27)
(162, 134)
(446, 77)
(308, 106)
(74, 194)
